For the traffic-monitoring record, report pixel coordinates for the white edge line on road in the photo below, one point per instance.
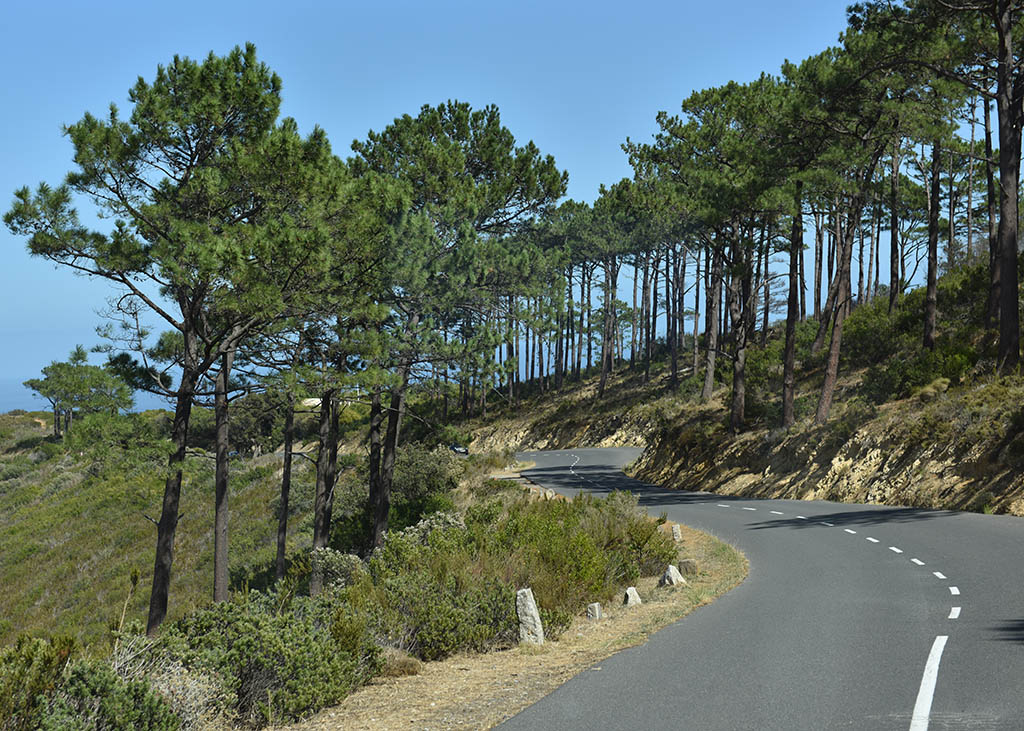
(938, 575)
(954, 613)
(923, 706)
(954, 590)
(873, 540)
(895, 550)
(722, 505)
(918, 561)
(775, 512)
(802, 517)
(851, 532)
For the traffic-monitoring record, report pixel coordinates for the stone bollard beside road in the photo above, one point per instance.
(531, 631)
(677, 533)
(632, 598)
(671, 577)
(594, 611)
(688, 567)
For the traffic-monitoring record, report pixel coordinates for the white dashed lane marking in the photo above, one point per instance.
(776, 512)
(830, 525)
(954, 613)
(939, 575)
(918, 561)
(750, 508)
(955, 591)
(923, 706)
(802, 517)
(895, 550)
(873, 540)
(851, 532)
(722, 505)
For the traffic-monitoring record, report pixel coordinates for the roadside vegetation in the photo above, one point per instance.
(443, 583)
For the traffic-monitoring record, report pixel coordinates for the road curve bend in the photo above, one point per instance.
(852, 617)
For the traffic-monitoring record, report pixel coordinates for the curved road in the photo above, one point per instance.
(852, 617)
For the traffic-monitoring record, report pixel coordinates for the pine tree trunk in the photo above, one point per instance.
(789, 354)
(819, 242)
(220, 520)
(168, 524)
(994, 265)
(839, 307)
(286, 485)
(895, 287)
(739, 305)
(324, 493)
(714, 303)
(933, 250)
(608, 341)
(1008, 100)
(696, 317)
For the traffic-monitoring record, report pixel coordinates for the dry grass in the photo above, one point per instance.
(481, 691)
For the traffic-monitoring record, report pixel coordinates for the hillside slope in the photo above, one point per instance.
(927, 428)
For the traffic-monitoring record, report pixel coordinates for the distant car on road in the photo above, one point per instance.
(459, 449)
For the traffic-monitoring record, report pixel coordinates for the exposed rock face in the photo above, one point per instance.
(531, 631)
(632, 598)
(883, 460)
(671, 577)
(594, 611)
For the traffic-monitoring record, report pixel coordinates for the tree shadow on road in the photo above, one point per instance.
(1010, 631)
(858, 517)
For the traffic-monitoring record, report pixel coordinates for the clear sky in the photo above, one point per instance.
(575, 77)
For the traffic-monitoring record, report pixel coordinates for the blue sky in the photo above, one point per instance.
(575, 77)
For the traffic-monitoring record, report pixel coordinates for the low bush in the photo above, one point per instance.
(276, 664)
(900, 377)
(92, 696)
(43, 687)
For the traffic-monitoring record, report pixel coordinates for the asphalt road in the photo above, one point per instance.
(852, 617)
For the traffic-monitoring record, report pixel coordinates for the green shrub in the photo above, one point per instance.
(30, 672)
(92, 696)
(899, 377)
(41, 687)
(277, 665)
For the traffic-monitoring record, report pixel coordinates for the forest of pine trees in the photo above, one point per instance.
(440, 257)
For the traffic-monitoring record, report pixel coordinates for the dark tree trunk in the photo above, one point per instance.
(767, 289)
(635, 323)
(590, 320)
(220, 520)
(677, 309)
(286, 485)
(992, 308)
(931, 293)
(696, 317)
(1009, 89)
(843, 293)
(819, 242)
(739, 305)
(645, 318)
(389, 452)
(714, 304)
(895, 287)
(172, 488)
(324, 494)
(608, 344)
(376, 440)
(789, 354)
